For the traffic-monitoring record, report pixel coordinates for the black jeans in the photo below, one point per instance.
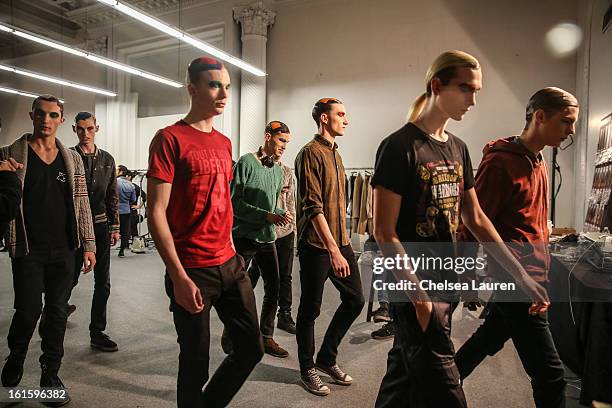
(315, 269)
(533, 342)
(102, 284)
(228, 288)
(285, 248)
(267, 260)
(51, 273)
(421, 370)
(125, 227)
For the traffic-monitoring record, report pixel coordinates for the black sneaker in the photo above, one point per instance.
(385, 332)
(381, 315)
(12, 371)
(50, 379)
(313, 384)
(285, 322)
(102, 342)
(339, 376)
(121, 253)
(71, 309)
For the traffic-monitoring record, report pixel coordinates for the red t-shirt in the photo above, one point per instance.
(200, 215)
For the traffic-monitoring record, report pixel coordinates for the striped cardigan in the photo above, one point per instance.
(83, 233)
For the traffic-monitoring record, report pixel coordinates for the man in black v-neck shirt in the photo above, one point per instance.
(55, 220)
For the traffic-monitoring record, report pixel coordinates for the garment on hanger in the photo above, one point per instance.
(363, 206)
(356, 203)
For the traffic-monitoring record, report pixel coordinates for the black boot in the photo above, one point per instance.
(285, 322)
(50, 379)
(12, 371)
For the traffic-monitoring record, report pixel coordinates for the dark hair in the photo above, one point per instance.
(84, 116)
(322, 106)
(48, 98)
(550, 100)
(275, 127)
(123, 171)
(199, 65)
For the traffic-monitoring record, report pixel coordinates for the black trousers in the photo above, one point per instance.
(285, 248)
(315, 269)
(267, 260)
(102, 284)
(51, 273)
(421, 370)
(228, 288)
(533, 342)
(125, 227)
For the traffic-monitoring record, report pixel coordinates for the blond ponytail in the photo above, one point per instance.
(443, 67)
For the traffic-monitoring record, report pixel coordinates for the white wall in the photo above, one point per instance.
(373, 56)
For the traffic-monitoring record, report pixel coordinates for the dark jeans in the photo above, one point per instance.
(228, 288)
(315, 269)
(421, 370)
(51, 273)
(285, 248)
(102, 284)
(125, 227)
(533, 342)
(267, 260)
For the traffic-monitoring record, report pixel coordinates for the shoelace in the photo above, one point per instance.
(337, 371)
(314, 378)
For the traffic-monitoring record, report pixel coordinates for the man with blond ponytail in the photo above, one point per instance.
(512, 186)
(411, 214)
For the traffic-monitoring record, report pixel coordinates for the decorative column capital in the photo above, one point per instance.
(254, 19)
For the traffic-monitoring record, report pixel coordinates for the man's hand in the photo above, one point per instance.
(89, 261)
(278, 219)
(188, 296)
(423, 313)
(10, 165)
(536, 293)
(114, 237)
(339, 264)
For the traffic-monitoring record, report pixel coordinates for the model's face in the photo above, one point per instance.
(211, 93)
(336, 119)
(46, 118)
(277, 144)
(86, 130)
(554, 128)
(457, 97)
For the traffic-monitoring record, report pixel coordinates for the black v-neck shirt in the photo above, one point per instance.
(46, 204)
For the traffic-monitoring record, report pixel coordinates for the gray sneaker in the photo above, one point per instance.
(339, 376)
(313, 384)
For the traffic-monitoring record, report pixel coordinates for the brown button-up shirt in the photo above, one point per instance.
(321, 183)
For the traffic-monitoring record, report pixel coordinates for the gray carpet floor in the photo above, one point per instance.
(143, 372)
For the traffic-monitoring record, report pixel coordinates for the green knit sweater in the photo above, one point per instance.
(255, 190)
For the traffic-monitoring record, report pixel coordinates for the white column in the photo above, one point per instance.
(254, 20)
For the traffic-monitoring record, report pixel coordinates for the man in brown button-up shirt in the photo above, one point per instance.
(323, 246)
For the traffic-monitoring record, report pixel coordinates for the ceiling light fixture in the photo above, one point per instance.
(84, 54)
(182, 36)
(22, 93)
(54, 80)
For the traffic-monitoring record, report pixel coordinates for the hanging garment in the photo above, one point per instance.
(356, 203)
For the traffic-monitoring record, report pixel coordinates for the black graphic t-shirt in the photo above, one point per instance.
(46, 204)
(431, 176)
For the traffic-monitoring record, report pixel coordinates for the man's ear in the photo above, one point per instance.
(31, 115)
(324, 118)
(267, 136)
(539, 116)
(74, 128)
(97, 128)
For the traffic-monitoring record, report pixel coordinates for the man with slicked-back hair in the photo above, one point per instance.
(190, 219)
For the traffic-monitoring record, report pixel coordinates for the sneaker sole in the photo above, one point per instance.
(334, 379)
(105, 349)
(381, 319)
(315, 392)
(276, 354)
(383, 338)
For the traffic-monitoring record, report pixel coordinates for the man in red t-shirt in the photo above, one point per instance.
(190, 219)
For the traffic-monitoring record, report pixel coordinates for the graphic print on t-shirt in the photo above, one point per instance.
(441, 183)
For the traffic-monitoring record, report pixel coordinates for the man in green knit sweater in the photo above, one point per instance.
(257, 184)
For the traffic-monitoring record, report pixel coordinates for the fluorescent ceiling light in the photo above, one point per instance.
(84, 54)
(54, 80)
(182, 36)
(22, 93)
